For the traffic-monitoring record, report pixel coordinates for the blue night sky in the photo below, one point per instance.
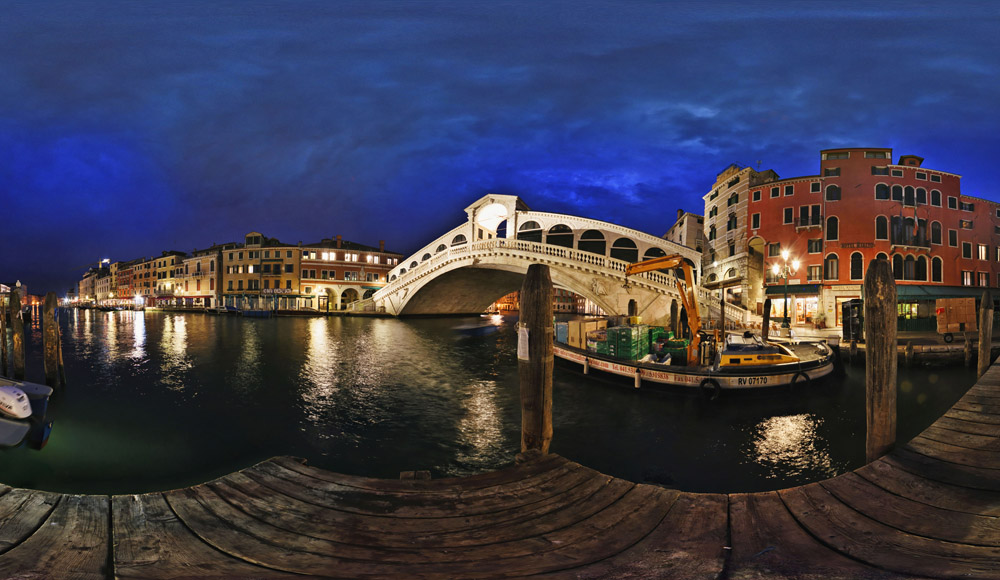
(128, 128)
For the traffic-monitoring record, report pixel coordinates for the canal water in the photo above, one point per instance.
(159, 400)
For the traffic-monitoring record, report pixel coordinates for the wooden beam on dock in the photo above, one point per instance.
(17, 336)
(55, 373)
(880, 359)
(535, 359)
(985, 332)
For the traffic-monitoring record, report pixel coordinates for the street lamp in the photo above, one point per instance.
(785, 270)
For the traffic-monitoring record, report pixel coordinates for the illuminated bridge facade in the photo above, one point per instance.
(469, 267)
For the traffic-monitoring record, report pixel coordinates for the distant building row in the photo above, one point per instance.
(260, 273)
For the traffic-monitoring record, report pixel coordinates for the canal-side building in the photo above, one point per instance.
(261, 274)
(279, 270)
(144, 281)
(200, 278)
(168, 268)
(688, 230)
(862, 206)
(726, 259)
(336, 272)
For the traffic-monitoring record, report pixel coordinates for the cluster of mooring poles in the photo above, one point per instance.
(535, 358)
(12, 331)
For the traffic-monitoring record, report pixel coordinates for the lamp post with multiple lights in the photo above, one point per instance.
(785, 270)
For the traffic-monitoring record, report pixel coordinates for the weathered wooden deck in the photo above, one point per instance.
(930, 509)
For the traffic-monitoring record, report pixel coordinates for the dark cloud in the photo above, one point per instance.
(129, 128)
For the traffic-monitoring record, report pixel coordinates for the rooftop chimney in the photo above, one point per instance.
(338, 241)
(680, 214)
(381, 245)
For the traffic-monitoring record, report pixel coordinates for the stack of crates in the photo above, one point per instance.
(597, 341)
(676, 348)
(562, 332)
(656, 332)
(623, 342)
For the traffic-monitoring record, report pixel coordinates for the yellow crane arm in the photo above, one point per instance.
(688, 298)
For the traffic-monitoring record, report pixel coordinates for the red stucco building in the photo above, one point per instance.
(860, 207)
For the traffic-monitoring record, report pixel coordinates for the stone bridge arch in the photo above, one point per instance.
(470, 266)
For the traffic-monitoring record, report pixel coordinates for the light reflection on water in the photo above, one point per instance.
(189, 397)
(791, 446)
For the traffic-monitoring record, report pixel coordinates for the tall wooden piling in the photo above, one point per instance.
(985, 332)
(765, 326)
(55, 373)
(534, 359)
(880, 359)
(722, 312)
(3, 340)
(17, 336)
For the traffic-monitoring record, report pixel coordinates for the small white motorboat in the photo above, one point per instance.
(14, 403)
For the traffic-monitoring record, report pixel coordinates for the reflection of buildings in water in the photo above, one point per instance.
(138, 336)
(319, 371)
(173, 344)
(248, 375)
(790, 446)
(481, 429)
(111, 336)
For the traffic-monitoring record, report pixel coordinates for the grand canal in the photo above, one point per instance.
(160, 400)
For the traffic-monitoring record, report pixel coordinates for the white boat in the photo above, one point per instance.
(37, 395)
(14, 403)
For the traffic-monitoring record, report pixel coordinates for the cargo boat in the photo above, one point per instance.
(808, 361)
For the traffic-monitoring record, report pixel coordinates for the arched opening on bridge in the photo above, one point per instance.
(560, 235)
(402, 271)
(530, 232)
(592, 241)
(368, 294)
(625, 249)
(413, 264)
(440, 249)
(755, 274)
(348, 296)
(392, 278)
(653, 253)
(502, 229)
(425, 257)
(459, 240)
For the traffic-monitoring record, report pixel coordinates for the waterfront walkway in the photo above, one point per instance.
(930, 509)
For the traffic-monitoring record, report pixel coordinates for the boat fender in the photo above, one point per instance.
(800, 377)
(710, 388)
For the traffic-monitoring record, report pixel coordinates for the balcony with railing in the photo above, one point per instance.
(810, 221)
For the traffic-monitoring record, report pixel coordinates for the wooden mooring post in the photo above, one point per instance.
(985, 332)
(55, 372)
(17, 336)
(535, 358)
(3, 340)
(765, 325)
(880, 359)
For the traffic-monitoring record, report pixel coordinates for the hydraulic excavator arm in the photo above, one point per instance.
(686, 289)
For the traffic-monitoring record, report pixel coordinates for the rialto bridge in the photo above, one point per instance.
(468, 268)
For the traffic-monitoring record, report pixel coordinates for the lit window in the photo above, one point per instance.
(966, 278)
(984, 252)
(250, 269)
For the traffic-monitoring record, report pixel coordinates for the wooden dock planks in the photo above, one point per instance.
(929, 509)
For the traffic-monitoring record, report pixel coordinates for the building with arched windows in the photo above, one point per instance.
(862, 207)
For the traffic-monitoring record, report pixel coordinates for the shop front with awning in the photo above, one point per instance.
(803, 302)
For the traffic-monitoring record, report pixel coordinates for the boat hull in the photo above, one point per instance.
(727, 378)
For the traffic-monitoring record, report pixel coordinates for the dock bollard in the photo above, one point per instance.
(881, 359)
(535, 359)
(985, 332)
